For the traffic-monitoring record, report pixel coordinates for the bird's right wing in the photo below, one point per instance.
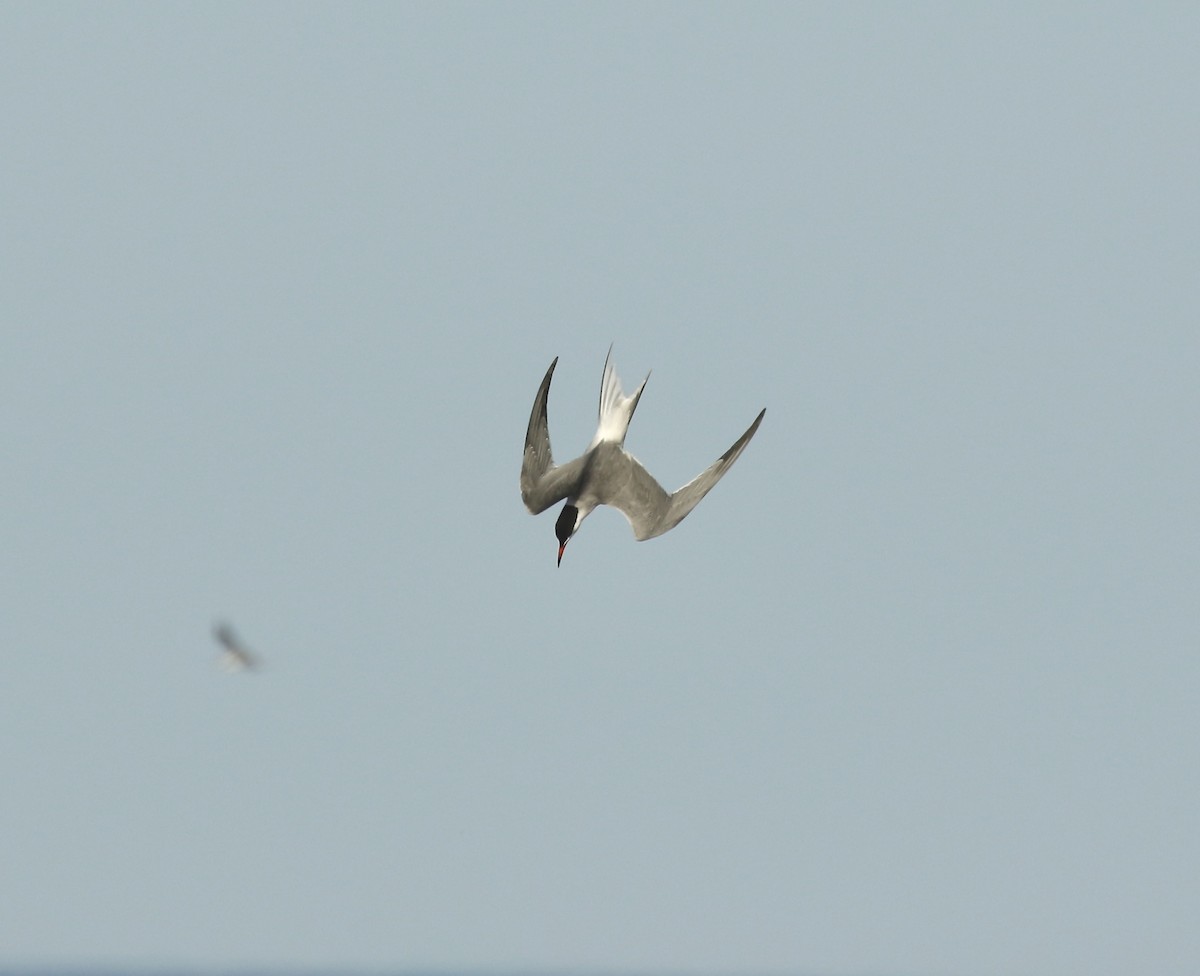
(543, 484)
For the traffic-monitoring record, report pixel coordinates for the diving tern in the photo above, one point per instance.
(607, 474)
(235, 656)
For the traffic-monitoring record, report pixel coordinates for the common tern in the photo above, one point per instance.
(235, 656)
(607, 474)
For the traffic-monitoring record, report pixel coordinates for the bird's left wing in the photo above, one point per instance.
(688, 497)
(542, 483)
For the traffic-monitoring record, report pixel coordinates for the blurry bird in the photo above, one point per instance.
(606, 474)
(235, 656)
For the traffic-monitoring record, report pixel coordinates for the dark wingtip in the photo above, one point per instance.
(742, 441)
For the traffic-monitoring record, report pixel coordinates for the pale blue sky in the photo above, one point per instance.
(914, 691)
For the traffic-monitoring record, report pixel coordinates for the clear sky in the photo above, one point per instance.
(915, 690)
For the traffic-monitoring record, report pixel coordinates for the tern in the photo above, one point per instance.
(607, 474)
(235, 656)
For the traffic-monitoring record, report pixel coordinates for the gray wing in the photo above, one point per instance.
(543, 484)
(650, 510)
(225, 637)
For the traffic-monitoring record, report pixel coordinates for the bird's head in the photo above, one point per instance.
(568, 521)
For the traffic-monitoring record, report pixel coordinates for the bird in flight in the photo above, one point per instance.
(607, 474)
(235, 656)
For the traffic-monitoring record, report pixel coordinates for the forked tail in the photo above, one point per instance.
(616, 409)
